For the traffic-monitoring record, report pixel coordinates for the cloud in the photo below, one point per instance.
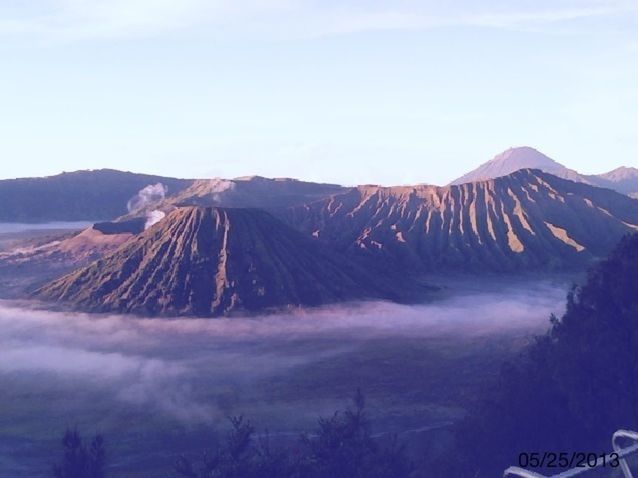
(158, 363)
(132, 379)
(80, 19)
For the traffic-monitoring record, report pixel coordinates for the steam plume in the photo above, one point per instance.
(147, 196)
(153, 217)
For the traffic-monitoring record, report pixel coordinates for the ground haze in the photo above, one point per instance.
(158, 387)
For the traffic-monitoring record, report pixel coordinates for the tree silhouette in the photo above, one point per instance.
(573, 387)
(78, 461)
(341, 447)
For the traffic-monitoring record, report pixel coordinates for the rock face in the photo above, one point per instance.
(526, 220)
(208, 261)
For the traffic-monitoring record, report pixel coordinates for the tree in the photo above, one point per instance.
(79, 461)
(341, 447)
(239, 457)
(344, 448)
(573, 387)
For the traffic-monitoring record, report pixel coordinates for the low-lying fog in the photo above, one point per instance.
(158, 387)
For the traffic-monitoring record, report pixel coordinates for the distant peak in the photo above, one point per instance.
(519, 149)
(624, 170)
(623, 173)
(513, 159)
(526, 156)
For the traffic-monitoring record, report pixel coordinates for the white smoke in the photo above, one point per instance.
(147, 196)
(153, 217)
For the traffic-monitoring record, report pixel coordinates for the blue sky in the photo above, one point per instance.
(341, 91)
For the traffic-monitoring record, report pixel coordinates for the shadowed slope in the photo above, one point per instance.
(528, 219)
(213, 261)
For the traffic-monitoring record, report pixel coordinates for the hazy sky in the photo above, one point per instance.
(346, 91)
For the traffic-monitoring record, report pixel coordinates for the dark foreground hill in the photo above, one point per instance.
(207, 261)
(528, 220)
(76, 196)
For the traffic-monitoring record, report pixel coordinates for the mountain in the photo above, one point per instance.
(208, 261)
(526, 220)
(620, 175)
(149, 201)
(623, 180)
(514, 159)
(80, 195)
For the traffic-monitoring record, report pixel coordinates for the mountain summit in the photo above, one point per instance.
(623, 179)
(512, 160)
(620, 174)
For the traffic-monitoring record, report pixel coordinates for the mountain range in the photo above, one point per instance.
(525, 220)
(211, 247)
(105, 194)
